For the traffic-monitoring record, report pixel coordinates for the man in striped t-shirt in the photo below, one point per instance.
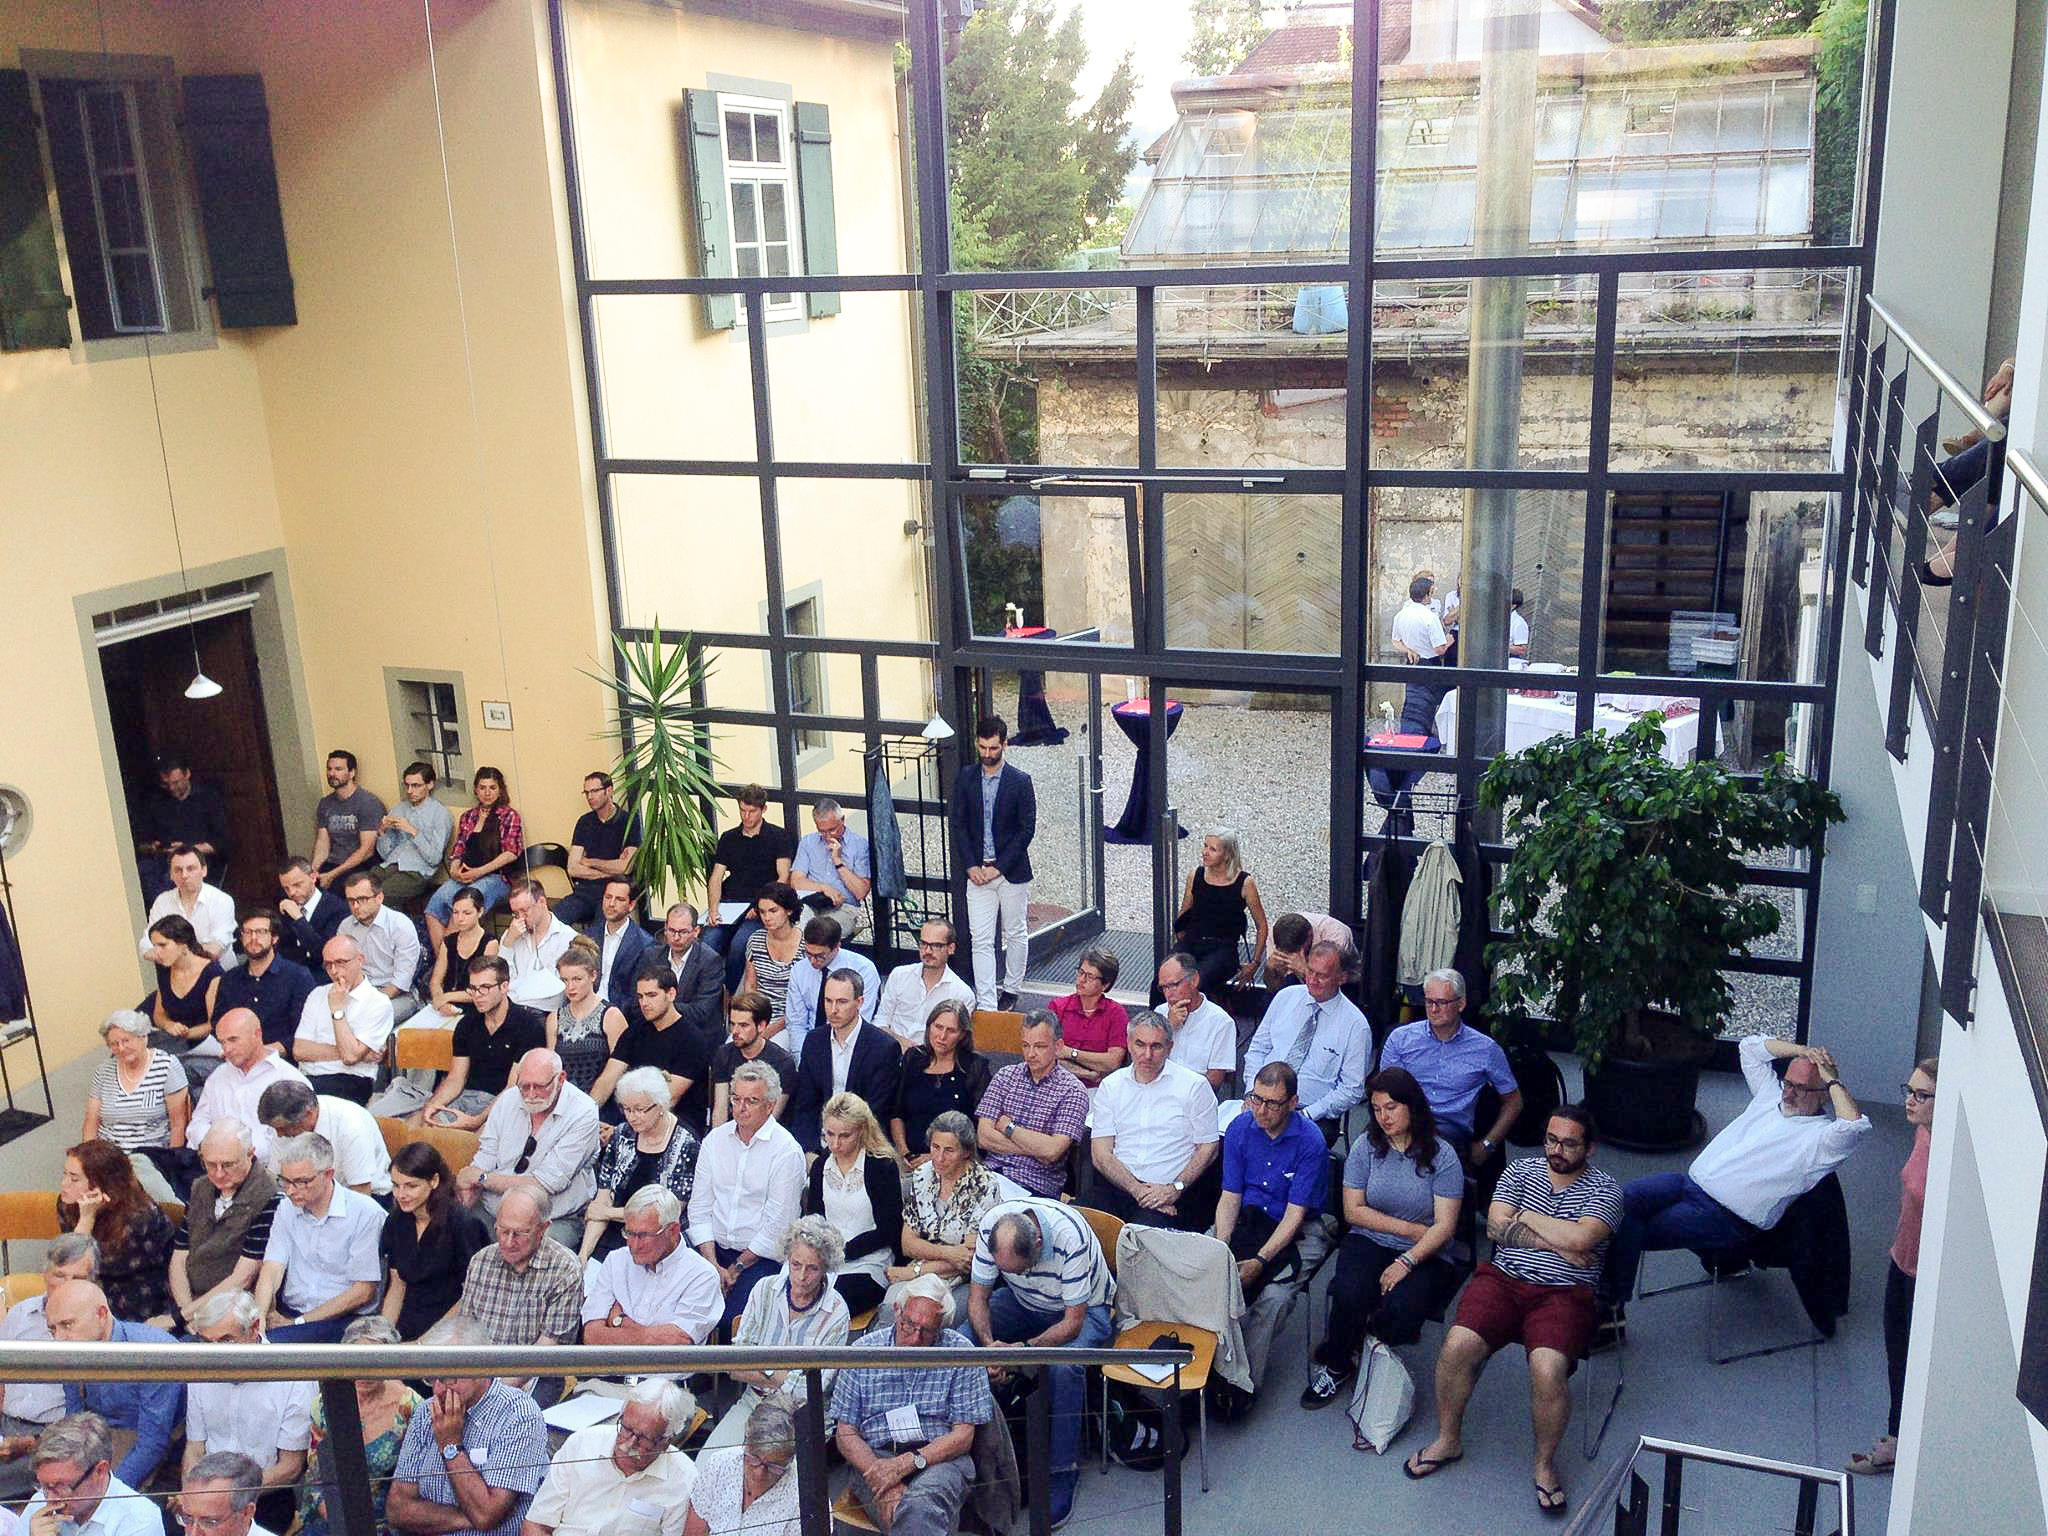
(1040, 1278)
(1550, 1221)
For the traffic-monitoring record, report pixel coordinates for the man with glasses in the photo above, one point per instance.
(601, 849)
(1453, 1062)
(268, 1423)
(533, 945)
(909, 1435)
(413, 838)
(1276, 1175)
(918, 986)
(321, 1266)
(77, 1491)
(228, 1210)
(389, 943)
(540, 1136)
(141, 1416)
(266, 983)
(1204, 1036)
(1741, 1184)
(834, 865)
(30, 1407)
(525, 1288)
(250, 1064)
(699, 973)
(654, 1288)
(623, 946)
(1550, 1223)
(344, 1026)
(605, 1481)
(219, 1498)
(473, 1456)
(361, 1160)
(491, 1033)
(1033, 1111)
(803, 1008)
(749, 1187)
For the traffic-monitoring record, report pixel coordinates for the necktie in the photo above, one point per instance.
(818, 1016)
(1297, 1053)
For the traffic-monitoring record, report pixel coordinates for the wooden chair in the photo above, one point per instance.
(458, 1148)
(998, 1030)
(1107, 1229)
(27, 1215)
(174, 1209)
(847, 1512)
(396, 1133)
(416, 1048)
(20, 1287)
(1194, 1377)
(856, 1326)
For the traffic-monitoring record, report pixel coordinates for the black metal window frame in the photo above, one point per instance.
(957, 654)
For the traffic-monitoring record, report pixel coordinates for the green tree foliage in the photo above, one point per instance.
(1670, 21)
(1838, 119)
(1224, 33)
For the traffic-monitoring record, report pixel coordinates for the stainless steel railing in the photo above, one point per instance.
(1624, 1493)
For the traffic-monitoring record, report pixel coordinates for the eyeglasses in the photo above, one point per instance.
(207, 1522)
(1916, 1095)
(631, 1436)
(1088, 973)
(1260, 1098)
(916, 1330)
(476, 986)
(306, 1183)
(51, 1492)
(765, 1464)
(1442, 1002)
(1561, 1144)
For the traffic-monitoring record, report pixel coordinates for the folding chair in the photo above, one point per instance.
(28, 1215)
(999, 1030)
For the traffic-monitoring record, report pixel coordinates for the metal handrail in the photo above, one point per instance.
(1744, 1461)
(1630, 1514)
(1949, 384)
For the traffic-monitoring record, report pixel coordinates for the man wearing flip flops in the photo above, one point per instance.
(1550, 1222)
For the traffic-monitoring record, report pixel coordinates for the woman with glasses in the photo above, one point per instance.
(386, 1407)
(488, 841)
(428, 1240)
(652, 1147)
(1403, 1190)
(139, 1100)
(466, 939)
(1093, 1025)
(797, 1308)
(585, 1028)
(945, 1073)
(1901, 1273)
(747, 1490)
(949, 1194)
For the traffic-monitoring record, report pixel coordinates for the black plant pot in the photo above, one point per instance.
(1647, 1106)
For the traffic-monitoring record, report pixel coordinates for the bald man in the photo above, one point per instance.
(541, 1135)
(143, 1415)
(345, 1026)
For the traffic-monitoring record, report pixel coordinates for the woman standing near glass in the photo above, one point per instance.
(773, 947)
(585, 1028)
(1904, 1268)
(945, 1073)
(488, 840)
(652, 1147)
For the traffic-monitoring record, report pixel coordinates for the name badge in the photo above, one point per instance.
(904, 1426)
(479, 1455)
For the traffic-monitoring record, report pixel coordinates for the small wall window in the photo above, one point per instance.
(429, 723)
(806, 676)
(760, 181)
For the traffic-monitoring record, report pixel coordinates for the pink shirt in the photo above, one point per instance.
(1101, 1030)
(1912, 1199)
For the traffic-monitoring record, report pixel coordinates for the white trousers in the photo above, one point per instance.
(1010, 901)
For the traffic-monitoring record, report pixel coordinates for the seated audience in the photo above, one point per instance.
(533, 945)
(525, 1288)
(489, 838)
(657, 1037)
(426, 1243)
(699, 969)
(749, 1187)
(1403, 1191)
(361, 1160)
(803, 1006)
(178, 813)
(385, 1407)
(585, 1030)
(748, 1020)
(209, 910)
(1276, 1177)
(749, 859)
(320, 1266)
(1320, 1033)
(943, 1074)
(389, 943)
(858, 1187)
(1550, 1222)
(619, 946)
(219, 1495)
(491, 1034)
(1210, 924)
(1039, 1274)
(412, 838)
(656, 1288)
(1453, 1062)
(1777, 1149)
(474, 1456)
(909, 1435)
(465, 939)
(1034, 1112)
(1154, 1138)
(772, 952)
(541, 1136)
(344, 822)
(849, 1055)
(611, 1479)
(99, 1197)
(950, 1192)
(187, 987)
(1092, 1023)
(797, 1308)
(269, 1422)
(228, 1211)
(918, 986)
(1293, 934)
(345, 1026)
(138, 1100)
(266, 983)
(143, 1416)
(653, 1149)
(30, 1407)
(311, 913)
(746, 1490)
(1204, 1036)
(250, 1064)
(77, 1489)
(601, 849)
(834, 869)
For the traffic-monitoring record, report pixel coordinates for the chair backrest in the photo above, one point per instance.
(458, 1148)
(549, 864)
(997, 1029)
(27, 1215)
(396, 1133)
(424, 1049)
(20, 1287)
(174, 1210)
(1107, 1229)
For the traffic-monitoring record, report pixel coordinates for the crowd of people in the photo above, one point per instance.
(735, 1130)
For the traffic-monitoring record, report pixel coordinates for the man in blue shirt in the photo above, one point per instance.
(473, 1456)
(803, 1007)
(1453, 1061)
(1276, 1175)
(77, 1313)
(836, 865)
(266, 983)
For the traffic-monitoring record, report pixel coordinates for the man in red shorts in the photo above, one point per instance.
(1550, 1221)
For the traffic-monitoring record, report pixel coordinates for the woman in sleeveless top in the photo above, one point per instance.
(182, 1010)
(583, 1030)
(467, 939)
(774, 946)
(1211, 922)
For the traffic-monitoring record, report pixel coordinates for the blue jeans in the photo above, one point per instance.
(730, 940)
(327, 1331)
(442, 903)
(743, 1287)
(1663, 1211)
(1011, 1321)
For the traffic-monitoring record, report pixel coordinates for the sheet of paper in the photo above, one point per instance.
(1161, 1374)
(731, 911)
(582, 1411)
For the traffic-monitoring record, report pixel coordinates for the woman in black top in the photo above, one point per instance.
(946, 1072)
(428, 1241)
(1211, 922)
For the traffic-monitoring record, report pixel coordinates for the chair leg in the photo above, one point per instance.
(1714, 1354)
(1203, 1399)
(1591, 1439)
(1105, 1423)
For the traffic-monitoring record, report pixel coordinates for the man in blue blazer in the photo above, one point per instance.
(994, 814)
(619, 936)
(873, 1061)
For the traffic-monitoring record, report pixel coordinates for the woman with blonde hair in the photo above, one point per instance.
(858, 1187)
(1220, 894)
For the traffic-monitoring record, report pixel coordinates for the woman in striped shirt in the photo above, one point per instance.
(140, 1097)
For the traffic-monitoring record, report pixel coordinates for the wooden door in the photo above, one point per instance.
(1205, 570)
(1293, 561)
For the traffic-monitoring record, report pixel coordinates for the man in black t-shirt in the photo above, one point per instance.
(749, 1017)
(748, 856)
(491, 1033)
(600, 849)
(660, 1038)
(181, 811)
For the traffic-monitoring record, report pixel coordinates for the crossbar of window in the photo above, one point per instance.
(786, 469)
(717, 639)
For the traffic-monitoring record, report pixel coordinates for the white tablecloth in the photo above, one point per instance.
(1533, 720)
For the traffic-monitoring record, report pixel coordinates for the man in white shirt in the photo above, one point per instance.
(1320, 1033)
(531, 946)
(655, 1289)
(1518, 627)
(321, 1266)
(1154, 1137)
(234, 1088)
(1418, 634)
(749, 1186)
(76, 1490)
(209, 909)
(541, 1134)
(361, 1160)
(606, 1480)
(30, 1407)
(915, 988)
(270, 1422)
(345, 1026)
(1204, 1036)
(389, 943)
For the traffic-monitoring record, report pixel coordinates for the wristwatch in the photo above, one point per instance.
(450, 1452)
(337, 1014)
(917, 1460)
(1179, 1188)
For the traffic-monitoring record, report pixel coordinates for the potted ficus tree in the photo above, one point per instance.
(1624, 899)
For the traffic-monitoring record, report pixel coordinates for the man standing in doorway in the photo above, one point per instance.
(995, 813)
(179, 811)
(345, 823)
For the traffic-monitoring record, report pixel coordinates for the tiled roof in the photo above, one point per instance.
(1292, 46)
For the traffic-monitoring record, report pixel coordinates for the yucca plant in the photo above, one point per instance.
(666, 770)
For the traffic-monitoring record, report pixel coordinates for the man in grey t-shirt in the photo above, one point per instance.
(345, 823)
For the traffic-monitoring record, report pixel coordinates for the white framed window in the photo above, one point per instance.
(117, 178)
(428, 711)
(761, 195)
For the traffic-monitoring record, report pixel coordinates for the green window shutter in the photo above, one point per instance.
(227, 127)
(33, 303)
(704, 155)
(814, 197)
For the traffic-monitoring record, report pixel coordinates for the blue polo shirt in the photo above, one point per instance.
(1451, 1072)
(1274, 1172)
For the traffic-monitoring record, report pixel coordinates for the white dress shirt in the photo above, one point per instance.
(586, 1495)
(907, 1002)
(1157, 1125)
(39, 1402)
(1419, 629)
(1207, 1041)
(746, 1193)
(360, 1156)
(390, 946)
(682, 1289)
(1766, 1159)
(232, 1094)
(1331, 1074)
(257, 1418)
(212, 917)
(531, 961)
(121, 1511)
(369, 1016)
